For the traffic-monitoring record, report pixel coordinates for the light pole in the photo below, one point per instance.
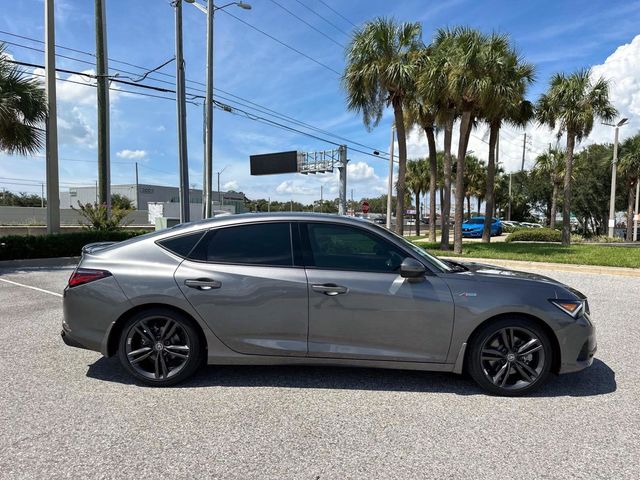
(612, 199)
(208, 103)
(181, 112)
(51, 139)
(390, 184)
(220, 197)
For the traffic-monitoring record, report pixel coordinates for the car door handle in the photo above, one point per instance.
(330, 289)
(203, 283)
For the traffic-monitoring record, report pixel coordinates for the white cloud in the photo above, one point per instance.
(232, 185)
(74, 128)
(621, 68)
(296, 187)
(132, 154)
(360, 171)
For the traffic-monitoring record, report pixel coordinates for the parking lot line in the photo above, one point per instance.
(32, 288)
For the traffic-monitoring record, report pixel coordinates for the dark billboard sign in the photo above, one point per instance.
(274, 163)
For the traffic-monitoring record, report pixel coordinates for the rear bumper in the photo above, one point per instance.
(69, 340)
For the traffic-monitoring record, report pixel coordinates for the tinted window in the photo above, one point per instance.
(348, 248)
(183, 244)
(259, 244)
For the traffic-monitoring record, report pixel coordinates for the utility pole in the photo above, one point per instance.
(342, 170)
(612, 199)
(321, 206)
(53, 186)
(524, 148)
(208, 115)
(42, 197)
(181, 116)
(635, 220)
(509, 212)
(269, 205)
(137, 188)
(102, 73)
(390, 184)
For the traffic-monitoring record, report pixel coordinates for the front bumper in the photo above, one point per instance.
(578, 345)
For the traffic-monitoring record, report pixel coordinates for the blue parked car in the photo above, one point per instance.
(473, 227)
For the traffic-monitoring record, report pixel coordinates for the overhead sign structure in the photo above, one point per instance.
(305, 163)
(274, 163)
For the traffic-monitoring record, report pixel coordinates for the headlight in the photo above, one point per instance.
(572, 308)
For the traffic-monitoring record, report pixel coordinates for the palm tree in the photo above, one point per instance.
(418, 181)
(436, 87)
(23, 109)
(474, 178)
(552, 163)
(630, 169)
(507, 81)
(573, 103)
(420, 113)
(380, 71)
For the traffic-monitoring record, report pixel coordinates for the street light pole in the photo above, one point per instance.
(181, 112)
(207, 182)
(53, 193)
(208, 113)
(390, 184)
(612, 199)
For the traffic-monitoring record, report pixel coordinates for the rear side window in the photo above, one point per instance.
(183, 244)
(259, 244)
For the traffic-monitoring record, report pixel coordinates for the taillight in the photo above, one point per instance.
(85, 275)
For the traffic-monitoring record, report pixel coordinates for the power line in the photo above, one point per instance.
(255, 106)
(306, 23)
(323, 18)
(338, 13)
(286, 45)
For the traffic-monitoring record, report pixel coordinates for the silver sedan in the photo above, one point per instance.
(265, 289)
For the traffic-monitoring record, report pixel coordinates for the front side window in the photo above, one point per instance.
(342, 247)
(258, 244)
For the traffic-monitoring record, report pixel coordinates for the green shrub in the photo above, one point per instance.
(510, 229)
(535, 235)
(98, 217)
(18, 247)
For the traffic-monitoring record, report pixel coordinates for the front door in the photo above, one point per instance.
(242, 282)
(359, 305)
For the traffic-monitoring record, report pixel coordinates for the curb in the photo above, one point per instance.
(562, 267)
(40, 262)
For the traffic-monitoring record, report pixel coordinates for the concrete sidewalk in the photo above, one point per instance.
(563, 267)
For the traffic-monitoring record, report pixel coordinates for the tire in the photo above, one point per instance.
(510, 357)
(160, 347)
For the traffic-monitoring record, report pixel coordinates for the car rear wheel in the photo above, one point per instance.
(510, 357)
(160, 347)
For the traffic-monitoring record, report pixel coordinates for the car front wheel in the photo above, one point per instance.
(510, 357)
(160, 347)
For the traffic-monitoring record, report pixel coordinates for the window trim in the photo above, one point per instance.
(209, 262)
(308, 258)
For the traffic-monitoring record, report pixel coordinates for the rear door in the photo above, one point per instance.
(242, 281)
(359, 305)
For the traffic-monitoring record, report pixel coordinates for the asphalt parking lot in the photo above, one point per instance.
(70, 413)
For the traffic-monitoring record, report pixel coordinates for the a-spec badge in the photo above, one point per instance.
(468, 294)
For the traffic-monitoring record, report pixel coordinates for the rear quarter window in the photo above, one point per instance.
(181, 245)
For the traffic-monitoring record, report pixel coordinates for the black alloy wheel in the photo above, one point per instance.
(510, 357)
(159, 347)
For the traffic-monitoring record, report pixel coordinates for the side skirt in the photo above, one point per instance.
(337, 362)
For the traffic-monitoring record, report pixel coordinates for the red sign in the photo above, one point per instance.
(365, 207)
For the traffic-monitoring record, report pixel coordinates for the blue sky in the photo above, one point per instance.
(554, 35)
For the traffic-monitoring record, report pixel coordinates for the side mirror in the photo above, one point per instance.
(411, 268)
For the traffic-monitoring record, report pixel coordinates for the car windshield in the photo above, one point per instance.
(436, 262)
(475, 221)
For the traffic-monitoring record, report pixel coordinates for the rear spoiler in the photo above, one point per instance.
(96, 247)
